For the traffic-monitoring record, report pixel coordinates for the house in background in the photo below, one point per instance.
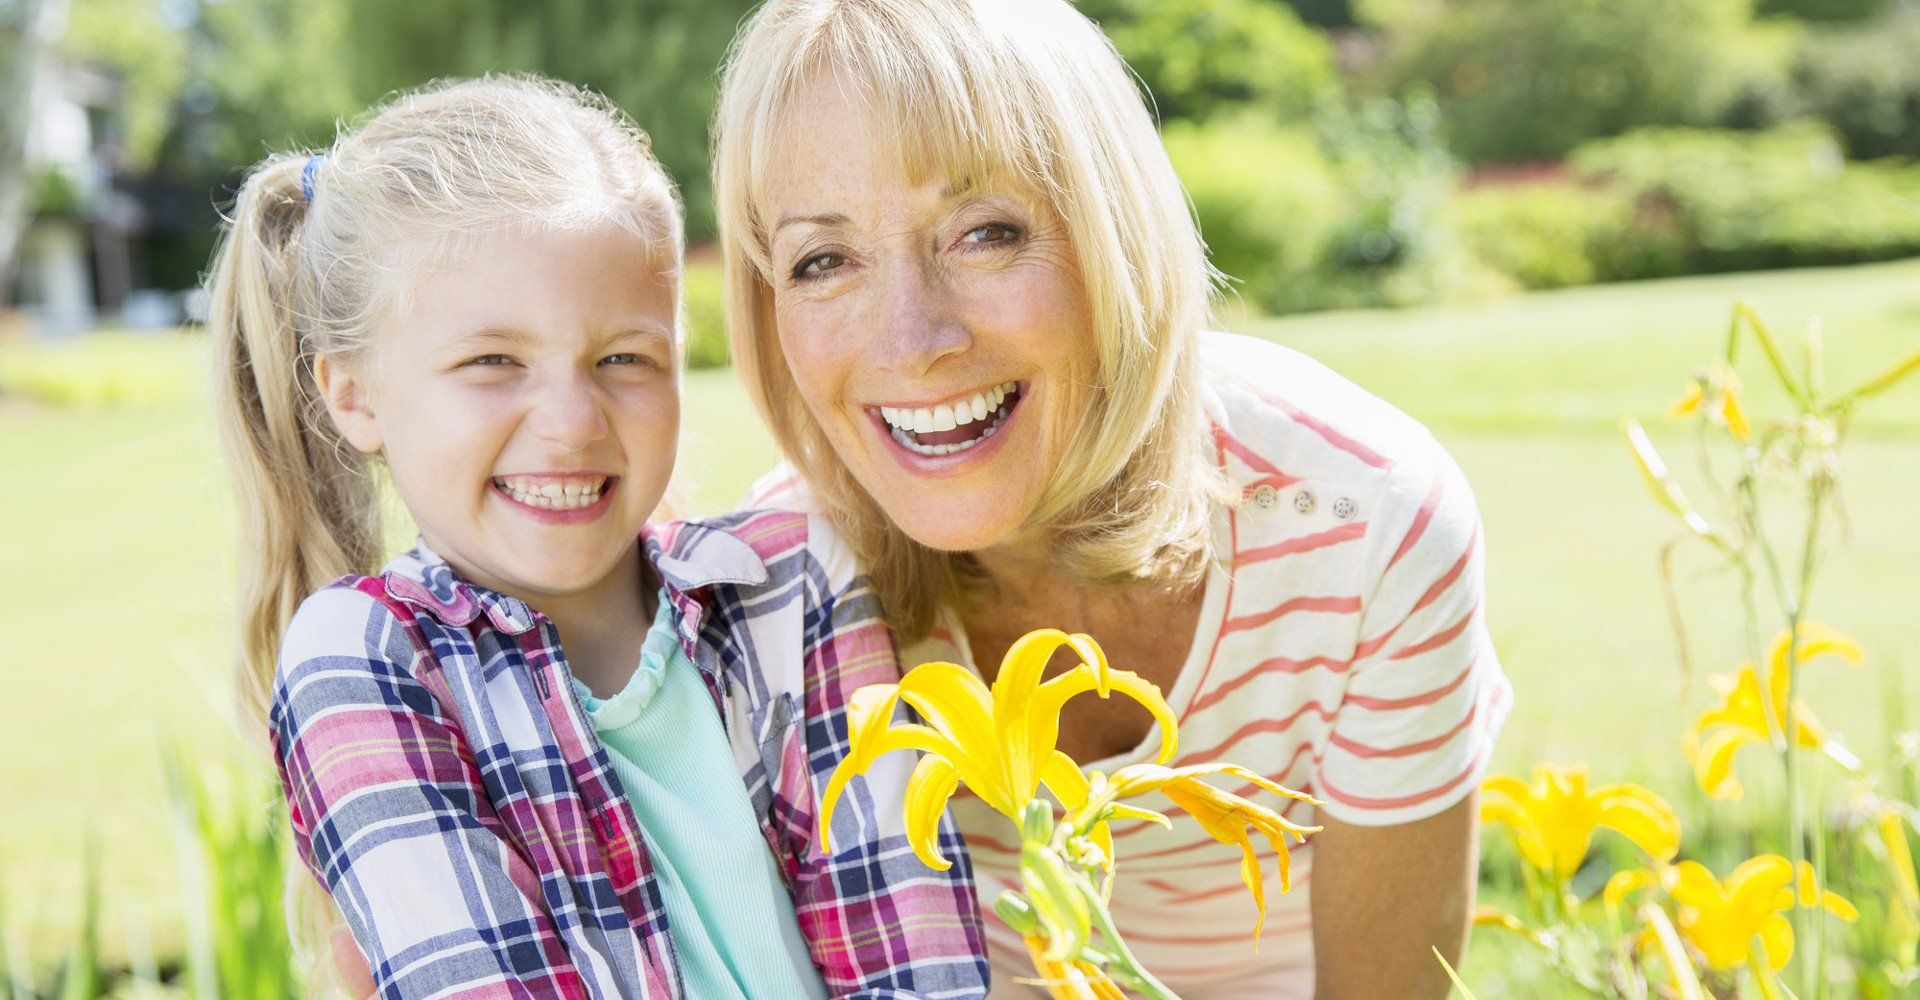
(75, 261)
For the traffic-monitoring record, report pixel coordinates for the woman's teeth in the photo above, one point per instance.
(570, 494)
(978, 417)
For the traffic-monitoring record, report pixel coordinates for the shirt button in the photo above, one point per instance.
(1303, 501)
(1343, 508)
(1264, 497)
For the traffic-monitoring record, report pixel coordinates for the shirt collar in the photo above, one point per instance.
(689, 555)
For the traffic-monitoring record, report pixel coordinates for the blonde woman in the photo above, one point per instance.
(966, 291)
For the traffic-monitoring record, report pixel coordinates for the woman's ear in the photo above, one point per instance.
(349, 404)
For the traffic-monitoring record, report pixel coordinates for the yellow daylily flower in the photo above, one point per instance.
(1716, 390)
(1745, 715)
(999, 740)
(1069, 979)
(1225, 816)
(1722, 918)
(1553, 819)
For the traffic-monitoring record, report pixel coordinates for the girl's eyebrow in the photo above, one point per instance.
(490, 335)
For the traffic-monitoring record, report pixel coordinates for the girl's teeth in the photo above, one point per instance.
(554, 496)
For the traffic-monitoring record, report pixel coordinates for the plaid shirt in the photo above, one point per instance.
(450, 792)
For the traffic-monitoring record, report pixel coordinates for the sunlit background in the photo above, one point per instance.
(1518, 220)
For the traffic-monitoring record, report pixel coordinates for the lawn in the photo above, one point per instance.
(116, 557)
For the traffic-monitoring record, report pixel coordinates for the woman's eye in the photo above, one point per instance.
(991, 233)
(817, 265)
(628, 358)
(489, 361)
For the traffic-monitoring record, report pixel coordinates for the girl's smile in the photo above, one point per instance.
(558, 497)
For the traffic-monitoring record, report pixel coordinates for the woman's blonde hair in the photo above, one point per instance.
(316, 251)
(1030, 93)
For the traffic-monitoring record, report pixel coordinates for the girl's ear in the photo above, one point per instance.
(349, 404)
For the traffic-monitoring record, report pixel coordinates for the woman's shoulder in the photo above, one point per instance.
(1276, 406)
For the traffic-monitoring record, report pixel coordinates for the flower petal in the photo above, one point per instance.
(1642, 817)
(932, 784)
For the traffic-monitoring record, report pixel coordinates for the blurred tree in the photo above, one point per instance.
(658, 60)
(1324, 13)
(1865, 81)
(1524, 80)
(1200, 57)
(1825, 10)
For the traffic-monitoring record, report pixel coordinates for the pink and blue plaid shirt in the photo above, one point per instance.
(448, 790)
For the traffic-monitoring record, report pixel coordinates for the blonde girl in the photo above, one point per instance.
(555, 749)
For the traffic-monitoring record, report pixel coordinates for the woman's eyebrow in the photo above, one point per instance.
(827, 219)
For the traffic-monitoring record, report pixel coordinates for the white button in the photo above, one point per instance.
(1303, 501)
(1264, 497)
(1343, 508)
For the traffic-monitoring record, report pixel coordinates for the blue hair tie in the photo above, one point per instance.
(306, 175)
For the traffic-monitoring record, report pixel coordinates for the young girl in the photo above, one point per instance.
(553, 750)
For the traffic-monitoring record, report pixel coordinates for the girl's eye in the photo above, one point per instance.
(489, 361)
(628, 358)
(817, 265)
(990, 234)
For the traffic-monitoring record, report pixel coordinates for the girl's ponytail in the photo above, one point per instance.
(308, 508)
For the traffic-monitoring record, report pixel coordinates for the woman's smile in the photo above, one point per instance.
(951, 435)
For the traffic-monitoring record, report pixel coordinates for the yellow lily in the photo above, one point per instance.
(1745, 715)
(1722, 918)
(1553, 819)
(999, 740)
(1069, 979)
(1225, 816)
(1716, 390)
(1666, 490)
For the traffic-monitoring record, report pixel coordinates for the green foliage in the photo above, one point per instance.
(1526, 80)
(706, 322)
(1343, 213)
(1865, 81)
(1201, 57)
(1750, 200)
(1825, 10)
(233, 863)
(1557, 232)
(55, 193)
(102, 370)
(656, 60)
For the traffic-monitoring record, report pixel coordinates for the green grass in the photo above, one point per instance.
(115, 567)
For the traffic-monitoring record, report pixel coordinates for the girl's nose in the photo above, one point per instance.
(569, 413)
(923, 325)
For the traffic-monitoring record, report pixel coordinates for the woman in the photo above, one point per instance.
(966, 291)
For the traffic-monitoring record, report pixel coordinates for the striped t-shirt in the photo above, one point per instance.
(1341, 649)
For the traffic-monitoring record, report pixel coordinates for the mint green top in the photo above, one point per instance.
(728, 912)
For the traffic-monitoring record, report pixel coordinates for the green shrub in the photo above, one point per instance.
(1530, 80)
(1345, 213)
(706, 319)
(1782, 198)
(1201, 57)
(1558, 232)
(1864, 80)
(1267, 201)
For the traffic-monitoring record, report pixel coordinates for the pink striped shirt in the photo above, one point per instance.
(1341, 649)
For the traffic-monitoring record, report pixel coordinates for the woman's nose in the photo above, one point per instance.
(568, 412)
(924, 324)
